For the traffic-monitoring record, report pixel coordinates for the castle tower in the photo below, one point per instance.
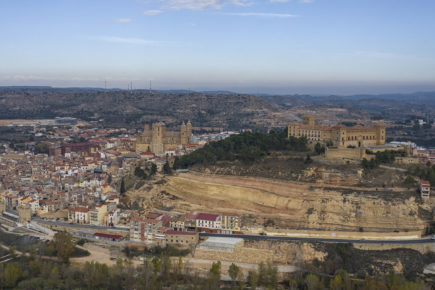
(189, 132)
(308, 120)
(380, 134)
(342, 136)
(183, 134)
(157, 138)
(24, 214)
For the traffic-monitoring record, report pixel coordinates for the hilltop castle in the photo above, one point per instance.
(158, 140)
(340, 135)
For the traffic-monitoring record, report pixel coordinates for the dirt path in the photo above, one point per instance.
(18, 254)
(97, 254)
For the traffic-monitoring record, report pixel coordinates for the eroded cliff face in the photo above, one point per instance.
(294, 253)
(292, 205)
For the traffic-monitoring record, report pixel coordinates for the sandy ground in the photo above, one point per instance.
(429, 269)
(97, 254)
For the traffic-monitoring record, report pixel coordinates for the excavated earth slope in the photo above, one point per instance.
(294, 205)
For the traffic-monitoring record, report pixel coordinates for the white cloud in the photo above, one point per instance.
(279, 1)
(115, 39)
(123, 20)
(152, 12)
(265, 15)
(204, 4)
(307, 1)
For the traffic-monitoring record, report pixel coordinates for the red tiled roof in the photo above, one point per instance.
(79, 209)
(153, 221)
(172, 232)
(109, 236)
(207, 216)
(425, 183)
(153, 215)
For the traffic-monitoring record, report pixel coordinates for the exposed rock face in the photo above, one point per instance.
(293, 205)
(292, 253)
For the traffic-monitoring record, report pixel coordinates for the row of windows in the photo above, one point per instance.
(309, 133)
(351, 138)
(181, 241)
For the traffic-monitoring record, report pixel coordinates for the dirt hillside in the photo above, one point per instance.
(291, 205)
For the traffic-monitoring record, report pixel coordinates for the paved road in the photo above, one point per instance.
(256, 237)
(276, 238)
(64, 224)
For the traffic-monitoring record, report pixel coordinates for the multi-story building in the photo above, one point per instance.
(158, 140)
(341, 136)
(180, 238)
(208, 221)
(78, 215)
(144, 229)
(96, 215)
(425, 189)
(80, 148)
(177, 223)
(231, 223)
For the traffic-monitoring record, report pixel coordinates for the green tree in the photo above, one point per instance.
(319, 148)
(157, 264)
(35, 267)
(64, 245)
(42, 148)
(336, 283)
(122, 187)
(234, 272)
(12, 274)
(308, 159)
(166, 168)
(313, 282)
(253, 279)
(95, 275)
(166, 267)
(214, 274)
(272, 275)
(139, 172)
(153, 169)
(262, 276)
(371, 283)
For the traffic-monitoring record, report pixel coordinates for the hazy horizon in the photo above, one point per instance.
(250, 46)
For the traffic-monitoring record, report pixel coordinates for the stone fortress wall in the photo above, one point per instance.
(158, 140)
(339, 135)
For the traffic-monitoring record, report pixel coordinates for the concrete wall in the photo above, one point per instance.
(422, 248)
(347, 234)
(346, 153)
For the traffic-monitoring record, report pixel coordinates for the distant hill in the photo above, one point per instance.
(414, 98)
(390, 106)
(124, 108)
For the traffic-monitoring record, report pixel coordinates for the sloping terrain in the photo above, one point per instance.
(292, 205)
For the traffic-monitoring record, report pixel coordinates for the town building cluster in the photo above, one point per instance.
(181, 229)
(78, 183)
(79, 178)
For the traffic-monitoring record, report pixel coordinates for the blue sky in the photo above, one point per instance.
(295, 46)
